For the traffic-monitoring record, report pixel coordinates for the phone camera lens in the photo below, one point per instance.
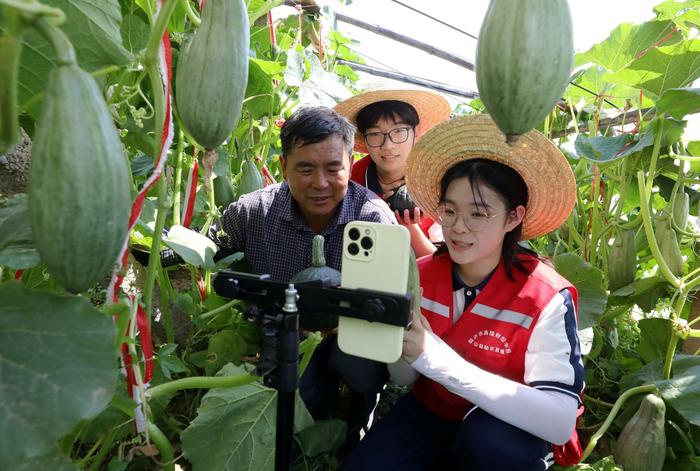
(366, 243)
(354, 233)
(353, 249)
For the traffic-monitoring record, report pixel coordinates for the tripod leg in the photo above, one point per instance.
(284, 439)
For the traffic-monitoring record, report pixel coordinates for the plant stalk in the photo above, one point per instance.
(151, 60)
(167, 458)
(201, 382)
(646, 388)
(65, 51)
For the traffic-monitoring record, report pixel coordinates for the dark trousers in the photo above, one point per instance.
(320, 382)
(411, 438)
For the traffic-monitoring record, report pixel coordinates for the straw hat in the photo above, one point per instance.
(548, 176)
(432, 108)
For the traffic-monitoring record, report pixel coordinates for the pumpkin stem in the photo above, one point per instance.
(318, 258)
(512, 138)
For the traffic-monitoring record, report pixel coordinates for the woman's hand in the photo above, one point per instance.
(416, 338)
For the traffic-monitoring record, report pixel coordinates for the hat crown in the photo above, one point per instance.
(546, 172)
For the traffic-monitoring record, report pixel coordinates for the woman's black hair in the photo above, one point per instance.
(389, 110)
(506, 182)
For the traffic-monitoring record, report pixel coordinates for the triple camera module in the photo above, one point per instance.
(361, 241)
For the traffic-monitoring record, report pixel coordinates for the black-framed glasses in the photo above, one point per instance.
(397, 136)
(474, 219)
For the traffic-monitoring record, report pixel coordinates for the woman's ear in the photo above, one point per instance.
(515, 217)
(417, 132)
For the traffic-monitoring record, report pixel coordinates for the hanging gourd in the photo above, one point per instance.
(524, 58)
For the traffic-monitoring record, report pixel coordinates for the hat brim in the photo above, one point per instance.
(550, 181)
(431, 107)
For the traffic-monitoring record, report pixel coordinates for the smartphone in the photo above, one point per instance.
(375, 256)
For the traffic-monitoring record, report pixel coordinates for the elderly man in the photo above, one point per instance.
(275, 227)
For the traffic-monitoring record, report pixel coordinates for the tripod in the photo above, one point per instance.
(279, 309)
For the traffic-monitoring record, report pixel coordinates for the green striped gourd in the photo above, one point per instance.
(681, 206)
(79, 194)
(524, 58)
(212, 73)
(318, 269)
(622, 260)
(668, 245)
(641, 445)
(250, 179)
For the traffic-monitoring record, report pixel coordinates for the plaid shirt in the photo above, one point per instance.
(266, 225)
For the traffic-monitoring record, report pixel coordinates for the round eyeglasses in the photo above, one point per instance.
(377, 139)
(474, 220)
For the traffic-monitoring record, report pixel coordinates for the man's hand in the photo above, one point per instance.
(416, 338)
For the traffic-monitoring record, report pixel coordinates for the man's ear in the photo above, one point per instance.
(283, 164)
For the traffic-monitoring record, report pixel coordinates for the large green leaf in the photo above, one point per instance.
(649, 373)
(588, 281)
(235, 427)
(57, 367)
(225, 346)
(663, 68)
(193, 247)
(322, 88)
(655, 336)
(17, 249)
(134, 28)
(323, 436)
(602, 149)
(682, 391)
(594, 80)
(295, 70)
(685, 14)
(54, 460)
(261, 98)
(93, 26)
(258, 8)
(679, 102)
(14, 221)
(626, 43)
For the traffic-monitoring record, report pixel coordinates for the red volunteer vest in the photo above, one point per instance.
(358, 174)
(493, 332)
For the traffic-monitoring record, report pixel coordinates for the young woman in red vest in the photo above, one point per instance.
(494, 359)
(389, 121)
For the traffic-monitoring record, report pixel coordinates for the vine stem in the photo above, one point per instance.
(646, 388)
(673, 317)
(33, 8)
(201, 382)
(651, 238)
(177, 183)
(219, 309)
(167, 458)
(39, 96)
(191, 15)
(65, 51)
(151, 60)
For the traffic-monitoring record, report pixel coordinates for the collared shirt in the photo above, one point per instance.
(267, 226)
(463, 294)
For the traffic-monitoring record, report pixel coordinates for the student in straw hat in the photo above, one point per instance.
(389, 120)
(494, 359)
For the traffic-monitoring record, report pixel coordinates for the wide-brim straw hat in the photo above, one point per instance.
(550, 181)
(432, 108)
